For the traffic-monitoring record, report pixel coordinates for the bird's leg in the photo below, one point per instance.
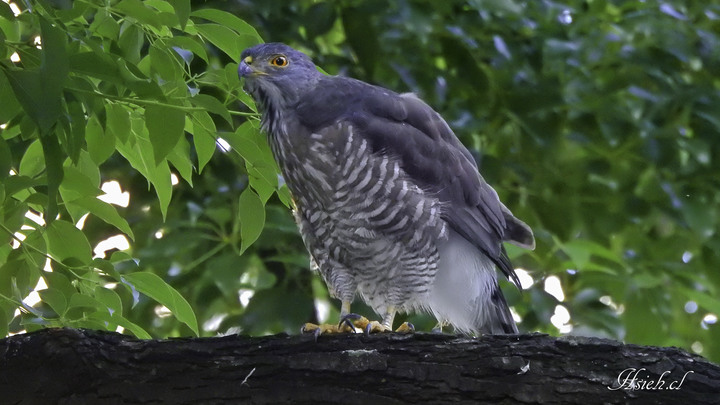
(346, 318)
(439, 327)
(406, 327)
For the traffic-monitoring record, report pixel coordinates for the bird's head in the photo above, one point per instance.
(276, 73)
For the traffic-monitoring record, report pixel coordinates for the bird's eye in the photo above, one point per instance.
(279, 61)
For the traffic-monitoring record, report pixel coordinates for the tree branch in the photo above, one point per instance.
(84, 366)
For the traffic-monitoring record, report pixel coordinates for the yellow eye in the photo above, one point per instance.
(279, 61)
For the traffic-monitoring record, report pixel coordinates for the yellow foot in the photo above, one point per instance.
(350, 323)
(406, 327)
(326, 329)
(374, 326)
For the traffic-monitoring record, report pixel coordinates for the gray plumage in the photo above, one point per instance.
(388, 201)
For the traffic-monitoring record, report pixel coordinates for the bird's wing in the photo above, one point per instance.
(406, 127)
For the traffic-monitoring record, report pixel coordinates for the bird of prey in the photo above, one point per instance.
(389, 203)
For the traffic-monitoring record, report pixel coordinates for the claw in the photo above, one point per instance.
(375, 327)
(317, 330)
(406, 327)
(309, 327)
(349, 321)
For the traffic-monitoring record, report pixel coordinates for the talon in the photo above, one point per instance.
(309, 328)
(406, 327)
(374, 327)
(317, 330)
(353, 321)
(348, 322)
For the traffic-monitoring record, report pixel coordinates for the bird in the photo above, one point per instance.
(389, 203)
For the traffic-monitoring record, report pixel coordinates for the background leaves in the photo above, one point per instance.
(596, 121)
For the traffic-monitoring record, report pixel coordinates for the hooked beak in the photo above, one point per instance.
(244, 70)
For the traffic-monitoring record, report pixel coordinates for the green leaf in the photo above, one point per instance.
(12, 216)
(40, 91)
(59, 282)
(139, 11)
(165, 126)
(109, 298)
(251, 212)
(131, 41)
(27, 87)
(189, 44)
(117, 319)
(54, 70)
(581, 250)
(55, 298)
(249, 34)
(213, 105)
(65, 241)
(157, 289)
(182, 10)
(100, 66)
(33, 161)
(54, 172)
(104, 211)
(105, 25)
(203, 129)
(260, 178)
(79, 300)
(163, 63)
(118, 121)
(223, 37)
(139, 154)
(75, 134)
(76, 184)
(11, 106)
(100, 144)
(180, 159)
(6, 12)
(261, 167)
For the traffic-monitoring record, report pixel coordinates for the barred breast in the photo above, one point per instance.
(368, 228)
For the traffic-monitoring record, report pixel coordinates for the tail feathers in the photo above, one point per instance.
(466, 293)
(503, 321)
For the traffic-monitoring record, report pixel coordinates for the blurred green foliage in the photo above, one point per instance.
(598, 123)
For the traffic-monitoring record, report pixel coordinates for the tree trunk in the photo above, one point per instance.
(70, 366)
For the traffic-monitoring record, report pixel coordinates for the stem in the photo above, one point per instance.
(136, 101)
(242, 113)
(206, 256)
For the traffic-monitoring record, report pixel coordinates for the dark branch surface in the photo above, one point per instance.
(70, 366)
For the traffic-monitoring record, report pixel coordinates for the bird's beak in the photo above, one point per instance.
(244, 70)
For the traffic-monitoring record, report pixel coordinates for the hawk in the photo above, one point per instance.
(389, 203)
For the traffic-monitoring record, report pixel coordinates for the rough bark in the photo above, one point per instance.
(81, 366)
